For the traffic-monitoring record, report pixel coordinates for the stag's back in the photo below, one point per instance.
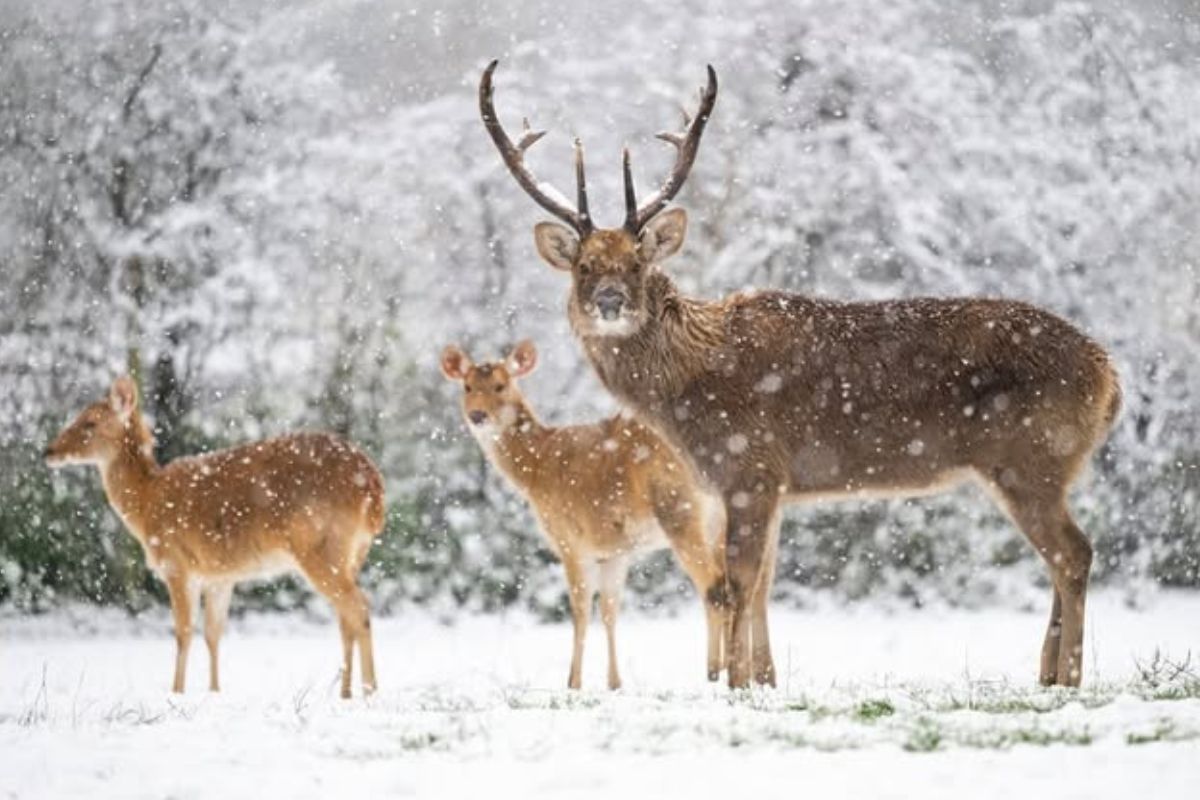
(894, 395)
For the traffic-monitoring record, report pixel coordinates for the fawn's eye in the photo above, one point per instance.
(88, 425)
(468, 388)
(499, 387)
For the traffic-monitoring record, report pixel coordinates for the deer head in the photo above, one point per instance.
(491, 401)
(608, 266)
(100, 431)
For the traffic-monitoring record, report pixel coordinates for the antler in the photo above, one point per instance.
(514, 157)
(687, 144)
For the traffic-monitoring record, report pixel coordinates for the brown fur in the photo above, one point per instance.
(309, 502)
(599, 493)
(778, 397)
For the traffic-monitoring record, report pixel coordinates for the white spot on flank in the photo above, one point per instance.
(737, 443)
(740, 500)
(609, 445)
(916, 447)
(969, 411)
(771, 382)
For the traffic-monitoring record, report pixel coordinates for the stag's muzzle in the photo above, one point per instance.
(609, 303)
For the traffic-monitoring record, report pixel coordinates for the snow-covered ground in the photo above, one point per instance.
(871, 703)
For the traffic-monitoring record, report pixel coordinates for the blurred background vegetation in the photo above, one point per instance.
(275, 214)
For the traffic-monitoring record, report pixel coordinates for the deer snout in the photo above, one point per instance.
(477, 417)
(609, 302)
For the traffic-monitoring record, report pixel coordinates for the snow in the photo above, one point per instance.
(478, 707)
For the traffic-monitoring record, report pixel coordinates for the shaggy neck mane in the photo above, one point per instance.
(667, 353)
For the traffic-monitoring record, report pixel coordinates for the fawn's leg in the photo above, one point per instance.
(216, 612)
(682, 518)
(354, 619)
(579, 592)
(612, 582)
(184, 596)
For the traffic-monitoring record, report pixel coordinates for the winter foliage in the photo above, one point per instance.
(216, 200)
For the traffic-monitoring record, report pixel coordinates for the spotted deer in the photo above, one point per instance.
(779, 397)
(306, 502)
(603, 494)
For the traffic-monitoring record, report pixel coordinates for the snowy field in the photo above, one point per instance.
(871, 703)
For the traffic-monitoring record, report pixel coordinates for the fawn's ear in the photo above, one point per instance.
(663, 236)
(522, 359)
(557, 244)
(123, 397)
(455, 363)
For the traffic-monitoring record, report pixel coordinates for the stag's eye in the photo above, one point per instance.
(88, 425)
(499, 387)
(585, 268)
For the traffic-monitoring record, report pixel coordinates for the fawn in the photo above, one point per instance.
(307, 502)
(602, 494)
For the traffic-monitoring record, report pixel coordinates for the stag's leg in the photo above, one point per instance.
(1050, 647)
(184, 596)
(749, 528)
(354, 615)
(216, 612)
(612, 582)
(685, 528)
(579, 593)
(1041, 513)
(764, 665)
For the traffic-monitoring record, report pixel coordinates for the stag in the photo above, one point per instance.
(778, 397)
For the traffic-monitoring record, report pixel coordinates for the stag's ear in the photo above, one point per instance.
(123, 397)
(663, 236)
(522, 359)
(455, 363)
(558, 245)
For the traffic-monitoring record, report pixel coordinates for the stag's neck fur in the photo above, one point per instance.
(650, 369)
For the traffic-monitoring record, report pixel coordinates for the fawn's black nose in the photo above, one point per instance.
(477, 417)
(609, 302)
(48, 452)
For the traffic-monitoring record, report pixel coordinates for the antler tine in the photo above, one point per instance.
(630, 194)
(514, 159)
(585, 218)
(529, 136)
(687, 144)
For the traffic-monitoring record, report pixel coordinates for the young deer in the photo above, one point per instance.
(779, 397)
(309, 502)
(602, 494)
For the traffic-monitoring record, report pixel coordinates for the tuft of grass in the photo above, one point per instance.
(924, 737)
(871, 710)
(1164, 730)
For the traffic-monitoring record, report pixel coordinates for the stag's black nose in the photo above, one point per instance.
(477, 417)
(609, 302)
(49, 451)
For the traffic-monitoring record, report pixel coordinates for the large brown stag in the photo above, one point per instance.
(779, 397)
